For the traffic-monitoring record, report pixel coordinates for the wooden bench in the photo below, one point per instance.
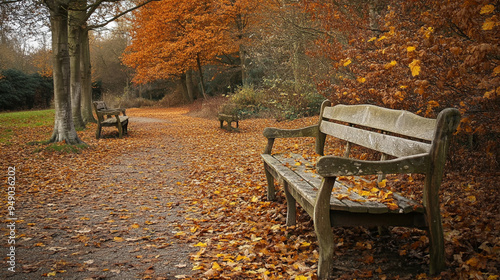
(229, 119)
(110, 117)
(408, 143)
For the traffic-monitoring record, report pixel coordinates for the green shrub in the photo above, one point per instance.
(275, 98)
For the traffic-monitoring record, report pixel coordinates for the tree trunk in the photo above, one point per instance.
(76, 29)
(189, 85)
(296, 67)
(85, 69)
(183, 88)
(64, 129)
(202, 84)
(244, 78)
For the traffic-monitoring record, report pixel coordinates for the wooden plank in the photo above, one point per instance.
(355, 202)
(386, 144)
(272, 132)
(343, 218)
(408, 205)
(329, 166)
(395, 121)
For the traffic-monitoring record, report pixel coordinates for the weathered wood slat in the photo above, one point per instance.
(272, 132)
(386, 144)
(354, 203)
(395, 121)
(329, 166)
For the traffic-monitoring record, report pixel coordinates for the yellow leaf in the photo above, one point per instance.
(300, 277)
(415, 67)
(298, 163)
(382, 183)
(489, 24)
(136, 226)
(347, 62)
(240, 257)
(216, 266)
(254, 199)
(433, 103)
(496, 70)
(489, 94)
(305, 244)
(487, 9)
(372, 39)
(390, 64)
(410, 49)
(118, 239)
(341, 196)
(201, 244)
(428, 32)
(361, 80)
(53, 273)
(382, 38)
(198, 267)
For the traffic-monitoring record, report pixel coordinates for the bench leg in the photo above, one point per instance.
(323, 228)
(98, 132)
(271, 192)
(120, 129)
(125, 127)
(291, 209)
(435, 231)
(221, 123)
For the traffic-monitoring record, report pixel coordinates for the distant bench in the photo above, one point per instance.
(414, 145)
(110, 117)
(229, 119)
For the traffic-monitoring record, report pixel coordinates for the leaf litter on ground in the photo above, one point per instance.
(122, 206)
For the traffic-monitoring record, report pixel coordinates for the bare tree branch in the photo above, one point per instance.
(117, 16)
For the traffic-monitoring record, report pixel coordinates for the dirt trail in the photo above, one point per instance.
(119, 224)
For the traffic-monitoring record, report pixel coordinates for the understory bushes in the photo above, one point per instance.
(283, 100)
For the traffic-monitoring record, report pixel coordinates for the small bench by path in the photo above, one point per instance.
(109, 117)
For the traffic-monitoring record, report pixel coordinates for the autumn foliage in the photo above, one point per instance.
(172, 37)
(421, 56)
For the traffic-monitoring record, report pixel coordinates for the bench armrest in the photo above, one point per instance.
(112, 111)
(332, 166)
(272, 133)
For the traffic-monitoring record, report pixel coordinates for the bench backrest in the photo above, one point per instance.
(393, 132)
(100, 105)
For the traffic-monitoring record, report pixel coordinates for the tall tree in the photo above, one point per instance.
(64, 129)
(172, 38)
(77, 29)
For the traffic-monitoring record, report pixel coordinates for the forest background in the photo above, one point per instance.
(282, 58)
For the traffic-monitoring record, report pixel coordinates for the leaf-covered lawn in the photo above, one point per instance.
(180, 198)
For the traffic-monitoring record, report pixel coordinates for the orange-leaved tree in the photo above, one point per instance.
(172, 38)
(421, 56)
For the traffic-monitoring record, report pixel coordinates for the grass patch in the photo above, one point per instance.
(31, 119)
